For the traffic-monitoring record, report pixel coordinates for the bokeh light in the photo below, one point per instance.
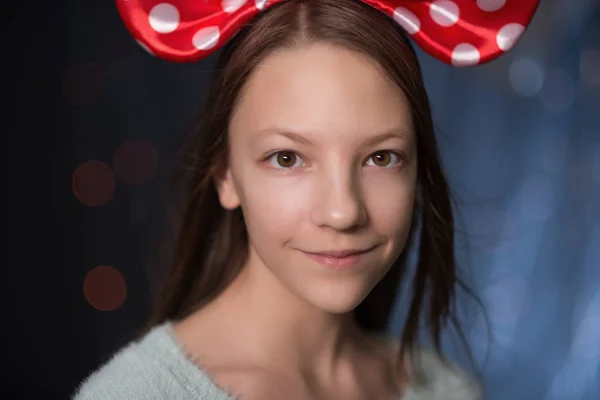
(508, 299)
(558, 92)
(573, 380)
(536, 199)
(503, 334)
(105, 288)
(586, 343)
(589, 66)
(526, 77)
(93, 183)
(83, 83)
(136, 162)
(586, 332)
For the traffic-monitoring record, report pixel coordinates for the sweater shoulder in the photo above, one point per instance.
(443, 379)
(151, 368)
(129, 374)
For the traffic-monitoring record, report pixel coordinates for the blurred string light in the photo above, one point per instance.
(526, 77)
(135, 163)
(93, 183)
(555, 88)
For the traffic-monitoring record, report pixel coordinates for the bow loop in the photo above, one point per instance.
(458, 32)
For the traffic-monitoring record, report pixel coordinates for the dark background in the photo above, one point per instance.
(92, 123)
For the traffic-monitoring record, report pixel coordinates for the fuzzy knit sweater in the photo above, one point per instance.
(157, 368)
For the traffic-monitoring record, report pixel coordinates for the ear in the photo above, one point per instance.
(228, 196)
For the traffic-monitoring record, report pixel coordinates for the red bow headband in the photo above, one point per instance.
(459, 32)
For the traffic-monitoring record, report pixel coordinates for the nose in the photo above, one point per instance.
(339, 202)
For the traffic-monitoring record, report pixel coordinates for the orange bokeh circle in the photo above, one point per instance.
(105, 288)
(93, 183)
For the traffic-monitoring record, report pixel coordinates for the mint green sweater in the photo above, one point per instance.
(156, 367)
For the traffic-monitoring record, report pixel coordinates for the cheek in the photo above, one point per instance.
(272, 204)
(390, 199)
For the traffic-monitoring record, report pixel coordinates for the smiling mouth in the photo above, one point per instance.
(339, 259)
(339, 253)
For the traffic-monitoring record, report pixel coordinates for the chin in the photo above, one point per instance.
(339, 301)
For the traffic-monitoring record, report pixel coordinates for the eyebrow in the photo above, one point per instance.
(392, 134)
(281, 132)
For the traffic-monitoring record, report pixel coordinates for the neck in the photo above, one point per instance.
(279, 329)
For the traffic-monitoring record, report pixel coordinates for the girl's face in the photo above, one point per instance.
(323, 164)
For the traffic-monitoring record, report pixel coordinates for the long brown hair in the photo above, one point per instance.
(212, 243)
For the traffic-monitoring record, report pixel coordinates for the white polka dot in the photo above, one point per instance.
(231, 6)
(260, 4)
(409, 21)
(508, 35)
(206, 38)
(465, 55)
(143, 46)
(444, 12)
(491, 5)
(164, 18)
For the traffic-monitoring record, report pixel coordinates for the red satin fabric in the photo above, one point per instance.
(458, 32)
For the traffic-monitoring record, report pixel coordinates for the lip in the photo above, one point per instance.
(339, 259)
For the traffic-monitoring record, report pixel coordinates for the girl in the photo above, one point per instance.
(312, 160)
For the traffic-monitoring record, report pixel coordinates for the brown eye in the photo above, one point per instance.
(381, 159)
(285, 160)
(384, 159)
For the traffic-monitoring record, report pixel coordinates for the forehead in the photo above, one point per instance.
(321, 88)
